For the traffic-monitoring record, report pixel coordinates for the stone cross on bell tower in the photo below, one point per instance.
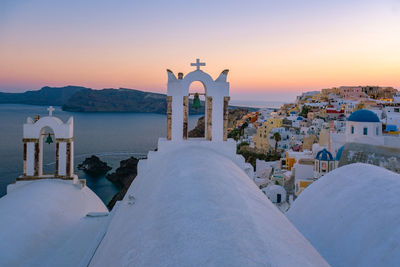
(197, 64)
(216, 104)
(50, 109)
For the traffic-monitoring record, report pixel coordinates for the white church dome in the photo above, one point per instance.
(351, 216)
(363, 115)
(43, 223)
(195, 207)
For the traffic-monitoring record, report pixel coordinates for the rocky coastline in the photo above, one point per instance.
(94, 166)
(123, 177)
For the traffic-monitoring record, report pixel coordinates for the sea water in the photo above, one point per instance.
(111, 136)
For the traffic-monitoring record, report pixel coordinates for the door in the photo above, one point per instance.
(278, 198)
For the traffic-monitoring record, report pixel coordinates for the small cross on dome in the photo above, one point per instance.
(198, 64)
(50, 109)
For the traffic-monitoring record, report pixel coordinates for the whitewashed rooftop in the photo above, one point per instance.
(351, 215)
(196, 207)
(45, 223)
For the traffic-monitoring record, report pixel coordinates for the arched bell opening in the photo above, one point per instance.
(196, 104)
(47, 152)
(216, 103)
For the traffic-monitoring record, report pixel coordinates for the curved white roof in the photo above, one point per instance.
(44, 223)
(351, 216)
(195, 207)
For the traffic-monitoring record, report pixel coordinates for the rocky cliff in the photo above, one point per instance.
(235, 114)
(123, 177)
(94, 166)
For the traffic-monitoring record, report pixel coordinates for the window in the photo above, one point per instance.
(377, 130)
(352, 129)
(323, 166)
(365, 131)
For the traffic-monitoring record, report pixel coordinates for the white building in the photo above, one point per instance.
(350, 106)
(296, 122)
(303, 171)
(317, 122)
(392, 116)
(396, 98)
(263, 172)
(364, 126)
(275, 193)
(323, 163)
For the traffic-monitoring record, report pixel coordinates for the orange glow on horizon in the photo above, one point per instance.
(264, 53)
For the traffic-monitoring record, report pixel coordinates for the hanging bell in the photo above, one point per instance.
(49, 140)
(196, 101)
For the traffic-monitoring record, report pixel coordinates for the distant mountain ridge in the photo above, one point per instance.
(83, 99)
(50, 96)
(117, 100)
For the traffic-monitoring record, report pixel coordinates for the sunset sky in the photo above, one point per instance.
(274, 49)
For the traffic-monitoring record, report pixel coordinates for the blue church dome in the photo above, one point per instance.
(299, 118)
(339, 153)
(324, 155)
(363, 115)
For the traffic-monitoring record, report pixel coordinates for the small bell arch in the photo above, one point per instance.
(33, 139)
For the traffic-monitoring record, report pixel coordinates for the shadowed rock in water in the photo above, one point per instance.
(123, 177)
(94, 166)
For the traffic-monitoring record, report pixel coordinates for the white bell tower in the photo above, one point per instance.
(33, 139)
(216, 98)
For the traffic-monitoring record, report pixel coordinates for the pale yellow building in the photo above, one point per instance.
(309, 141)
(324, 136)
(261, 138)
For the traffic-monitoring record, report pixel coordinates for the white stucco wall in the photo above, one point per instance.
(30, 154)
(61, 130)
(62, 163)
(303, 171)
(359, 137)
